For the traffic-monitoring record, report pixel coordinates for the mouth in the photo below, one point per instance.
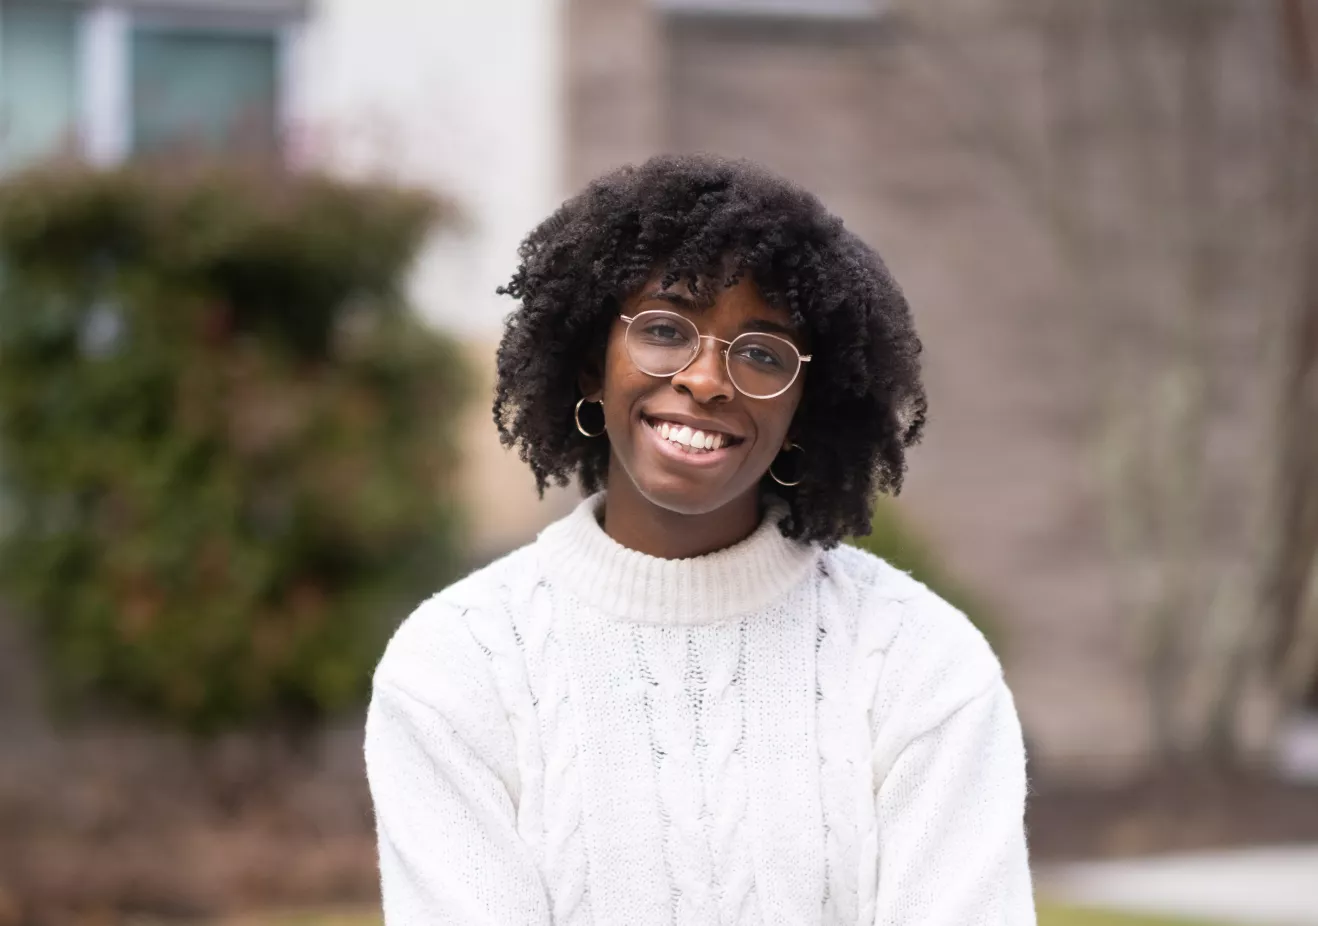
(686, 439)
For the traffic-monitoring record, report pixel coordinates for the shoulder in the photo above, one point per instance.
(902, 616)
(440, 681)
(445, 644)
(932, 658)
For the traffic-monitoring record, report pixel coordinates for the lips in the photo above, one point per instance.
(691, 438)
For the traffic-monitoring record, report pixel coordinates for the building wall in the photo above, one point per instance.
(1003, 483)
(461, 97)
(613, 95)
(466, 99)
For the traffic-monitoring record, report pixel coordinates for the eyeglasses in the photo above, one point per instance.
(760, 366)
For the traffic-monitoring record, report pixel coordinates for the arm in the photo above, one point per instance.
(439, 763)
(951, 822)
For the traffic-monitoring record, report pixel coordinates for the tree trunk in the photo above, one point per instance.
(1286, 589)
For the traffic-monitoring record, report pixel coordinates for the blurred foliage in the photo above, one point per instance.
(892, 539)
(225, 444)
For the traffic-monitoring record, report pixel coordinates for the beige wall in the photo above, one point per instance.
(498, 487)
(464, 98)
(1000, 482)
(613, 94)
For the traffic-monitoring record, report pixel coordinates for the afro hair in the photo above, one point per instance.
(711, 221)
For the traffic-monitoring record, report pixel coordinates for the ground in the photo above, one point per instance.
(1177, 810)
(1048, 916)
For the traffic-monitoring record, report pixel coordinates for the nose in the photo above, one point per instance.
(705, 378)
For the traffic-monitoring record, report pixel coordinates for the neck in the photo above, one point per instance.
(637, 523)
(629, 585)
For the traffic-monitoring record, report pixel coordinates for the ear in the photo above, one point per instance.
(590, 382)
(789, 441)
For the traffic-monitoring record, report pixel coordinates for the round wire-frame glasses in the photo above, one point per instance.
(759, 364)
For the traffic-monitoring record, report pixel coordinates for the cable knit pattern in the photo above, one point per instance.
(725, 780)
(499, 641)
(565, 853)
(771, 734)
(685, 841)
(837, 758)
(866, 671)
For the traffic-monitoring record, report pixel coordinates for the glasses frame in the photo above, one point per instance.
(726, 350)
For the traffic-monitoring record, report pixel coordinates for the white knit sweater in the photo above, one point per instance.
(583, 734)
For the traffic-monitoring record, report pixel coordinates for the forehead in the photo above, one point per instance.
(742, 298)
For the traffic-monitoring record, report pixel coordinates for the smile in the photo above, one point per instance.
(690, 440)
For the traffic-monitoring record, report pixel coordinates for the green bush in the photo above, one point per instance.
(891, 538)
(225, 443)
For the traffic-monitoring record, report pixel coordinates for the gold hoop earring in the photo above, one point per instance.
(576, 416)
(774, 476)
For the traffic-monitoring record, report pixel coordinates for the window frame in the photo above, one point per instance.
(76, 77)
(808, 10)
(104, 64)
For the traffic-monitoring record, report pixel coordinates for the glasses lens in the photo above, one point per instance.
(661, 343)
(762, 365)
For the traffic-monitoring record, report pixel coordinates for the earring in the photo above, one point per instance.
(576, 415)
(774, 476)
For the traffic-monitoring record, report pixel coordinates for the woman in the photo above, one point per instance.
(685, 702)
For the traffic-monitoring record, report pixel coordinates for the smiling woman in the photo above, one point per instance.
(740, 393)
(685, 703)
(731, 251)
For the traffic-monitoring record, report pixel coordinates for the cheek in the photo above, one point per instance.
(614, 370)
(618, 366)
(777, 428)
(623, 384)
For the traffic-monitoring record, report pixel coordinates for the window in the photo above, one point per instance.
(130, 77)
(203, 89)
(38, 80)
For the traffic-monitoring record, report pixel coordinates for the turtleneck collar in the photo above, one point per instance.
(636, 587)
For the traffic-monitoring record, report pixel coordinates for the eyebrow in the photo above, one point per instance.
(678, 299)
(683, 301)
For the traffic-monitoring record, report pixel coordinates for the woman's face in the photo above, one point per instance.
(748, 432)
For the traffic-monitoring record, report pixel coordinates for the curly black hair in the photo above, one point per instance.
(699, 219)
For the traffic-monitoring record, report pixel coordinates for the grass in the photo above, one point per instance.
(1049, 915)
(1053, 915)
(306, 919)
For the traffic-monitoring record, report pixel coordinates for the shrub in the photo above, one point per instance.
(225, 444)
(892, 539)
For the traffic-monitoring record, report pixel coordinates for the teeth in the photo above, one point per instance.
(691, 438)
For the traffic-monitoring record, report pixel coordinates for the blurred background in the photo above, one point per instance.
(248, 254)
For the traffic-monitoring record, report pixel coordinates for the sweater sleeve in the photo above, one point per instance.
(951, 822)
(442, 780)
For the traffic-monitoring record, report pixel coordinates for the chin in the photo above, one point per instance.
(685, 496)
(685, 503)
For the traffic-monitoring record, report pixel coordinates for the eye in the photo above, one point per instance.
(661, 331)
(762, 355)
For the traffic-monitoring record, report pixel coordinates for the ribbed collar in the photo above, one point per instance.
(636, 587)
